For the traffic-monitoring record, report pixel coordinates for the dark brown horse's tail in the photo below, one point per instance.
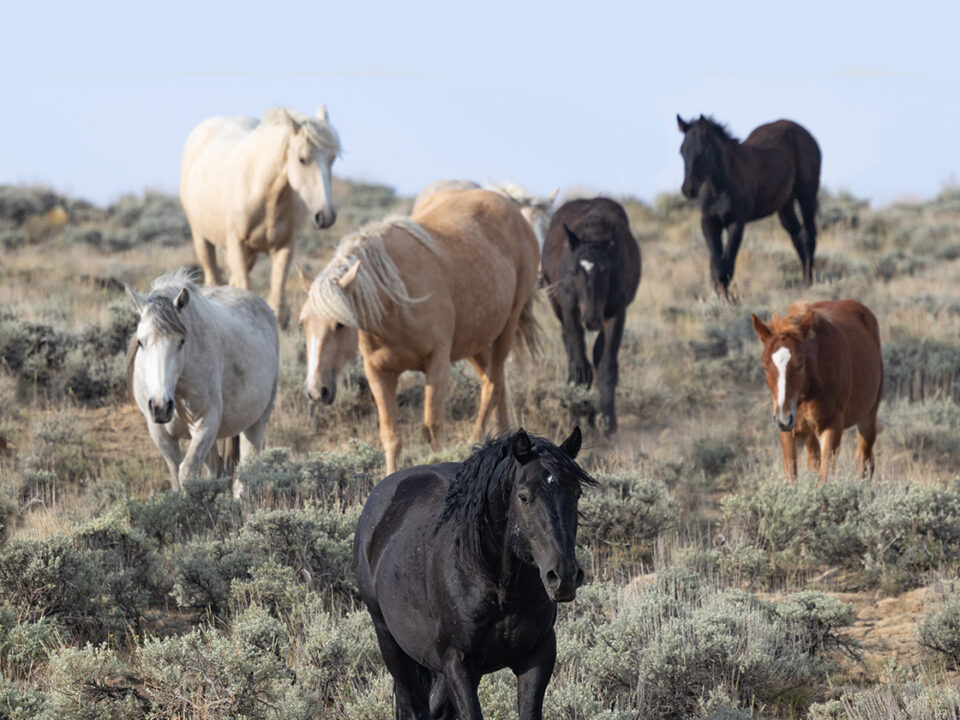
(528, 329)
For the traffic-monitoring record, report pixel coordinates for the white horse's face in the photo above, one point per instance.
(161, 339)
(308, 172)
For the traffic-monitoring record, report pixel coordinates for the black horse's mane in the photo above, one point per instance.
(719, 128)
(488, 472)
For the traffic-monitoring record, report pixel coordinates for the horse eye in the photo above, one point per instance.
(524, 498)
(339, 326)
(140, 343)
(182, 341)
(303, 161)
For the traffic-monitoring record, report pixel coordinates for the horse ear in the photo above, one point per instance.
(572, 238)
(552, 197)
(180, 302)
(305, 280)
(763, 332)
(684, 126)
(349, 276)
(806, 325)
(571, 446)
(522, 447)
(322, 113)
(136, 298)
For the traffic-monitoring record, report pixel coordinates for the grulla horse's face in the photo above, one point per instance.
(309, 174)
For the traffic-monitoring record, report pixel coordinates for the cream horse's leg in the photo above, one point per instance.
(237, 259)
(169, 447)
(438, 382)
(207, 256)
(383, 385)
(280, 259)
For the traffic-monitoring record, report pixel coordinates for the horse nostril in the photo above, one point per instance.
(168, 409)
(150, 404)
(553, 580)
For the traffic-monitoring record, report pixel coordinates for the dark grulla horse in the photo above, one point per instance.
(735, 182)
(591, 265)
(462, 566)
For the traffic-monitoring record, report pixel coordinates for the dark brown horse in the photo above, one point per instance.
(461, 566)
(735, 182)
(591, 263)
(825, 373)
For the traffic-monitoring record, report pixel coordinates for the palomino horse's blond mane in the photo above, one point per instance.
(789, 325)
(363, 307)
(317, 130)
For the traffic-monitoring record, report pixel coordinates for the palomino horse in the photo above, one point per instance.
(735, 182)
(453, 281)
(246, 187)
(591, 264)
(461, 566)
(825, 373)
(536, 210)
(203, 365)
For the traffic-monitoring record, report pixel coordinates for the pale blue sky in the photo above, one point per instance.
(99, 97)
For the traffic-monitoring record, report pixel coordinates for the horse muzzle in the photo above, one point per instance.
(325, 219)
(324, 394)
(563, 589)
(785, 424)
(162, 412)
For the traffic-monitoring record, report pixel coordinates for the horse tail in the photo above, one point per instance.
(528, 329)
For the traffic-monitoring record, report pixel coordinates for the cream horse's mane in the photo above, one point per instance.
(317, 130)
(363, 307)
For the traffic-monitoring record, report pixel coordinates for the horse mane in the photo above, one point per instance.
(318, 131)
(488, 473)
(789, 325)
(163, 291)
(362, 308)
(719, 128)
(521, 197)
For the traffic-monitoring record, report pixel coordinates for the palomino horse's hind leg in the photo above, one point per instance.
(435, 393)
(481, 362)
(383, 385)
(237, 258)
(494, 390)
(207, 256)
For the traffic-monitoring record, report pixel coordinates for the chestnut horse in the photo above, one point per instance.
(454, 281)
(825, 373)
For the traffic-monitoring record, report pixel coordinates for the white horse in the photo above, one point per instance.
(537, 211)
(203, 365)
(246, 187)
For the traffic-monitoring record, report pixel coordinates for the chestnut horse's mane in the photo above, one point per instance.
(789, 325)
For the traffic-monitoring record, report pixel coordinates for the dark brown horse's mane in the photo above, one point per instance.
(718, 127)
(488, 475)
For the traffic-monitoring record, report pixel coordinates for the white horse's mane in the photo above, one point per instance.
(362, 308)
(317, 130)
(163, 290)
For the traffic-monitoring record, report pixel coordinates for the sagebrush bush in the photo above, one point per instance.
(204, 570)
(939, 631)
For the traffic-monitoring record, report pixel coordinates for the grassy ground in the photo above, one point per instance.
(692, 484)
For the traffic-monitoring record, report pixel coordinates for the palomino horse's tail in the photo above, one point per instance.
(528, 329)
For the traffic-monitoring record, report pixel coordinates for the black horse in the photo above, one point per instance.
(735, 182)
(461, 567)
(591, 263)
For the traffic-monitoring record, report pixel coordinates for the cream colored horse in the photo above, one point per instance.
(246, 187)
(453, 281)
(203, 365)
(537, 211)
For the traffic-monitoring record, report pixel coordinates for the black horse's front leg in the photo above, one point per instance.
(608, 368)
(713, 234)
(533, 675)
(734, 236)
(579, 371)
(462, 685)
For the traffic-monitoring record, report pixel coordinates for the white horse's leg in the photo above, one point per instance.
(203, 440)
(280, 259)
(169, 447)
(251, 443)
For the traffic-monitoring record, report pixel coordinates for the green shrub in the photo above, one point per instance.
(204, 570)
(204, 505)
(939, 631)
(19, 702)
(91, 683)
(25, 647)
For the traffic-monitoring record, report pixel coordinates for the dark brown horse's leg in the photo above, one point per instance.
(808, 209)
(533, 675)
(579, 372)
(734, 236)
(713, 235)
(607, 367)
(461, 686)
(788, 218)
(409, 695)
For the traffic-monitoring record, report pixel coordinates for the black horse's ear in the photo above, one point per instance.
(572, 238)
(571, 446)
(522, 447)
(684, 126)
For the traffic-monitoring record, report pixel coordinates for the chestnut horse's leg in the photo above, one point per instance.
(438, 380)
(383, 385)
(829, 447)
(868, 435)
(788, 441)
(813, 453)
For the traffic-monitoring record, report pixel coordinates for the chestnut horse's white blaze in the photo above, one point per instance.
(247, 185)
(781, 360)
(203, 366)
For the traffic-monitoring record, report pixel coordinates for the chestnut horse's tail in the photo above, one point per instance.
(528, 329)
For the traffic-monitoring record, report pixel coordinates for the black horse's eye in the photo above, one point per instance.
(523, 497)
(339, 326)
(303, 161)
(182, 341)
(139, 343)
